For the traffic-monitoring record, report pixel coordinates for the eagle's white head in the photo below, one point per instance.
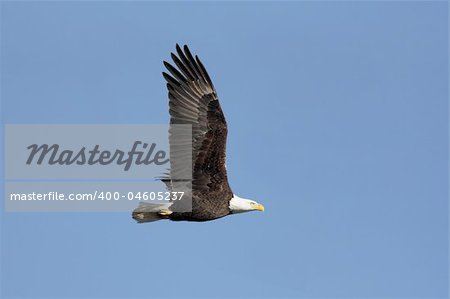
(239, 205)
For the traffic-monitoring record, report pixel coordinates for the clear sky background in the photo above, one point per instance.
(338, 124)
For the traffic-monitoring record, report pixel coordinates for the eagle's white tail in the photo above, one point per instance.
(149, 212)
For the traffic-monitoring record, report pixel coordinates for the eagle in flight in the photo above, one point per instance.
(193, 100)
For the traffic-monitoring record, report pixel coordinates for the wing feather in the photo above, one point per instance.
(193, 100)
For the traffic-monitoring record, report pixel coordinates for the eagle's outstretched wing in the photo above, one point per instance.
(193, 100)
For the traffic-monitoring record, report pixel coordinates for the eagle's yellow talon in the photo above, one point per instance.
(165, 212)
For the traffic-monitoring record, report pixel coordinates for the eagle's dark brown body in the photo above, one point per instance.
(193, 100)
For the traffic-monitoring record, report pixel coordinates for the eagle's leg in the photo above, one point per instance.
(165, 212)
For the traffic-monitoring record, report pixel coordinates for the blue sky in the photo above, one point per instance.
(338, 123)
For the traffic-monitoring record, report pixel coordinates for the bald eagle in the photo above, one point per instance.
(193, 100)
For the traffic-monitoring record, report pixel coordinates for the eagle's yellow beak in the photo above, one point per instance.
(259, 207)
